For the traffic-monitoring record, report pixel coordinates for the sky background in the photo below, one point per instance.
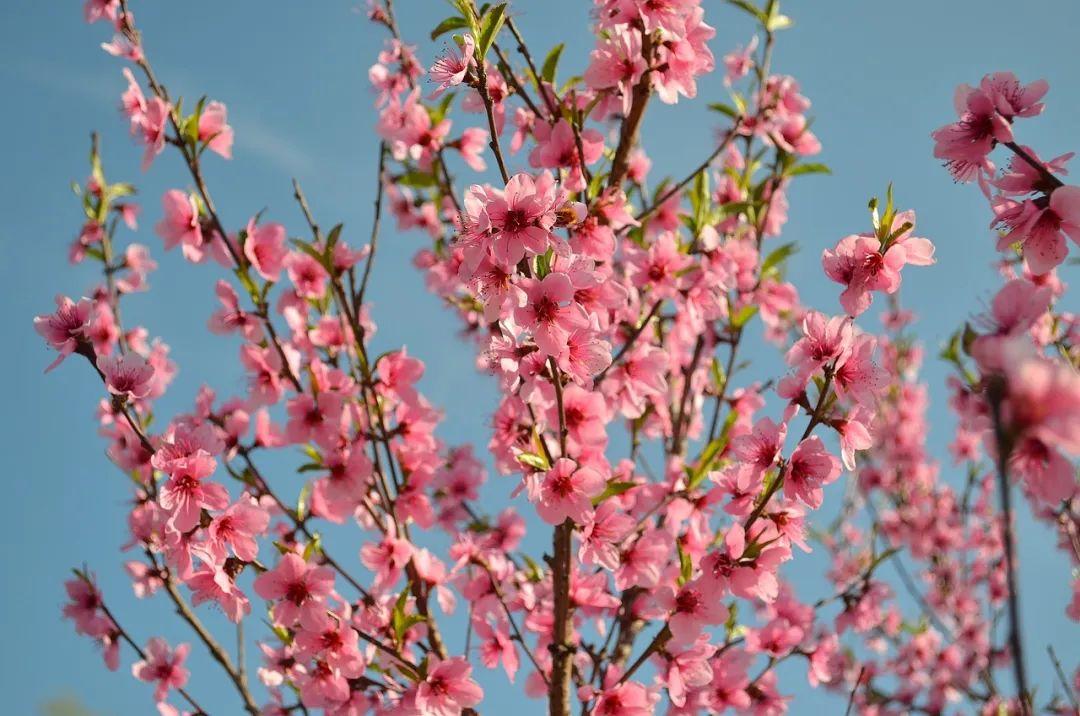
(294, 76)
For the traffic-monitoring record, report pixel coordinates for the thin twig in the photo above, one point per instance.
(996, 395)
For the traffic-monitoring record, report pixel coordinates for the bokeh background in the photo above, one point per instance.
(294, 76)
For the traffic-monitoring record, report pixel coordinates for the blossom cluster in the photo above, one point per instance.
(613, 321)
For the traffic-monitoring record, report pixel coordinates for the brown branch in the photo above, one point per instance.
(996, 391)
(562, 630)
(216, 651)
(632, 122)
(131, 642)
(358, 296)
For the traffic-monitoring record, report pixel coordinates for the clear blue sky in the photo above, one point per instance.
(293, 74)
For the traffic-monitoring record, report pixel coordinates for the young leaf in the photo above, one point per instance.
(533, 460)
(551, 63)
(811, 168)
(750, 8)
(778, 256)
(490, 25)
(613, 489)
(724, 109)
(744, 315)
(449, 24)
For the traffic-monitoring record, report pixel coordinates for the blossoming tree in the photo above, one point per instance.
(601, 309)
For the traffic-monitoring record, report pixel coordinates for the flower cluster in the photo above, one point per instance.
(614, 322)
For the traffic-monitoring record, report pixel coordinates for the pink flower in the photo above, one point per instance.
(264, 368)
(132, 101)
(85, 606)
(520, 221)
(603, 533)
(127, 375)
(317, 419)
(181, 224)
(186, 493)
(585, 357)
(1013, 312)
(1043, 398)
(212, 583)
(556, 147)
(858, 263)
(616, 62)
(163, 667)
(739, 62)
(122, 46)
(448, 688)
(825, 340)
(238, 526)
(986, 116)
(472, 145)
(152, 128)
(642, 562)
(386, 558)
(810, 467)
(586, 416)
(692, 607)
(307, 275)
(731, 568)
(296, 587)
(330, 638)
(214, 129)
(627, 699)
(760, 448)
(854, 435)
(1019, 177)
(549, 312)
(688, 666)
(496, 646)
(659, 268)
(264, 247)
(66, 328)
(566, 491)
(450, 69)
(1039, 228)
(857, 376)
(230, 317)
(94, 10)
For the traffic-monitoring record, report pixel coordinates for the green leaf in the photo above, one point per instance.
(302, 500)
(313, 253)
(613, 489)
(417, 179)
(543, 264)
(454, 22)
(778, 256)
(881, 558)
(741, 318)
(811, 168)
(551, 63)
(686, 566)
(490, 25)
(534, 572)
(331, 240)
(778, 22)
(724, 109)
(438, 112)
(708, 455)
(315, 545)
(750, 8)
(533, 460)
(968, 338)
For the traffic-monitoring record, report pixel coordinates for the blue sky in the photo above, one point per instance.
(293, 74)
